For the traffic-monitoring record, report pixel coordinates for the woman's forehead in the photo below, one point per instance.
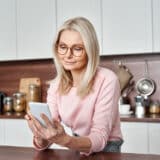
(70, 37)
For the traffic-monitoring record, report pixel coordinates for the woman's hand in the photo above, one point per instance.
(52, 132)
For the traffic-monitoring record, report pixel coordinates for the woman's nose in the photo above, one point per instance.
(69, 53)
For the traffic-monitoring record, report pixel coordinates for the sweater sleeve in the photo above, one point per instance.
(105, 114)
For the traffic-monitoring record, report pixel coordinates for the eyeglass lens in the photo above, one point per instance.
(76, 50)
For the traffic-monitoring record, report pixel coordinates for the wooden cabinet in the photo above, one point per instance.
(123, 27)
(135, 137)
(141, 137)
(17, 133)
(90, 9)
(156, 25)
(7, 30)
(154, 136)
(1, 132)
(138, 137)
(127, 26)
(27, 29)
(36, 25)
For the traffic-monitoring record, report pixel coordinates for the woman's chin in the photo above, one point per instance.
(72, 68)
(69, 67)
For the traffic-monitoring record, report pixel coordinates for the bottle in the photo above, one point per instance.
(2, 96)
(140, 108)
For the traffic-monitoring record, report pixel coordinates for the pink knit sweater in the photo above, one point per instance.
(96, 116)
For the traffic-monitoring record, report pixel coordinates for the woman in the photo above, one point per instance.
(83, 95)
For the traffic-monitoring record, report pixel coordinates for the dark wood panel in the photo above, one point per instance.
(12, 71)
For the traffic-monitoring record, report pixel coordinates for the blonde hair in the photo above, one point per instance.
(89, 37)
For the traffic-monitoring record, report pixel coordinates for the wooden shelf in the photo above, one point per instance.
(13, 115)
(146, 118)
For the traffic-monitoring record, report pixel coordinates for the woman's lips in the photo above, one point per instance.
(68, 62)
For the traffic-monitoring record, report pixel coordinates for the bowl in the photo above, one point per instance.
(124, 108)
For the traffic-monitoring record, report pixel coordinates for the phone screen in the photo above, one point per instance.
(37, 108)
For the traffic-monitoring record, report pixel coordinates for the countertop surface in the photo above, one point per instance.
(12, 115)
(155, 118)
(20, 153)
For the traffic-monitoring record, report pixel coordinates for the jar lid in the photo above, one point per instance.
(19, 94)
(155, 104)
(33, 85)
(8, 99)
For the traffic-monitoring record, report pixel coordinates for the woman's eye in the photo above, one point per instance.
(78, 48)
(63, 47)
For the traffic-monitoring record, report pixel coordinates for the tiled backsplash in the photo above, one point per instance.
(12, 71)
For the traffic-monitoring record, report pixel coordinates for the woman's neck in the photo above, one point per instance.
(77, 77)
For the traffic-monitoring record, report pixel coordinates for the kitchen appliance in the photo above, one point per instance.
(2, 95)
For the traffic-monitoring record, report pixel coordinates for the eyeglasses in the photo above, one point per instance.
(77, 49)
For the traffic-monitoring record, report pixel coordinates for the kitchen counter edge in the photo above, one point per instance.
(154, 118)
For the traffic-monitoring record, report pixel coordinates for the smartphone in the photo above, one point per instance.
(37, 108)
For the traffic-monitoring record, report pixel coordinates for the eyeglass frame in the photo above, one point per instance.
(71, 49)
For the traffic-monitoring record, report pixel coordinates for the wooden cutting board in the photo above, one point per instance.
(25, 82)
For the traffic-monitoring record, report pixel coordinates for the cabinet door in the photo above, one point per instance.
(135, 137)
(154, 142)
(36, 25)
(7, 30)
(90, 9)
(1, 132)
(156, 25)
(127, 26)
(17, 133)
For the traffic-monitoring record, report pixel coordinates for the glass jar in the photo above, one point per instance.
(19, 101)
(7, 104)
(154, 108)
(34, 94)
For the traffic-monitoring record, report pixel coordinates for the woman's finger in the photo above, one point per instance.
(27, 117)
(48, 123)
(36, 126)
(55, 122)
(31, 126)
(58, 124)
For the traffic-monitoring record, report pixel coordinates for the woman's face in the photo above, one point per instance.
(71, 51)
